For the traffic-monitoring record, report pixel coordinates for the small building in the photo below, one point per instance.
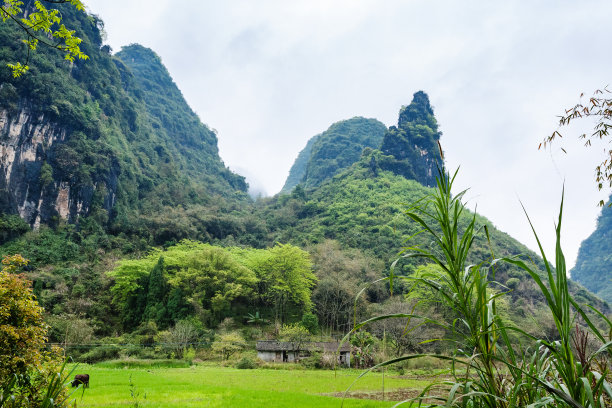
(286, 352)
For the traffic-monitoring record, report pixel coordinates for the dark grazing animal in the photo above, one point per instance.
(81, 379)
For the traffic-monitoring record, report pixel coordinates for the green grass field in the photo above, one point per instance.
(212, 386)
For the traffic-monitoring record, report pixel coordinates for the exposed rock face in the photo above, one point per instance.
(26, 144)
(413, 144)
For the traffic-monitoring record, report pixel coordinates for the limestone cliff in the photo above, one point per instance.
(413, 143)
(27, 143)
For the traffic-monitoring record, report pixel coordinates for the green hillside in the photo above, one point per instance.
(334, 150)
(363, 208)
(298, 169)
(593, 267)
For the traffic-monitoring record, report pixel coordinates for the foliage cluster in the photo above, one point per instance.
(211, 283)
(30, 375)
(38, 24)
(598, 107)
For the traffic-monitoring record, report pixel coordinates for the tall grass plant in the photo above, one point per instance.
(487, 368)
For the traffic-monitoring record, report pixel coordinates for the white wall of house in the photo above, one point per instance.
(279, 357)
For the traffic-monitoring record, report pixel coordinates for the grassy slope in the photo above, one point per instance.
(229, 387)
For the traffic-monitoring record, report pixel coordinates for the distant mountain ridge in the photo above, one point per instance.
(593, 267)
(410, 149)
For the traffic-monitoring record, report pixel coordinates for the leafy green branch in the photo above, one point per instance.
(42, 25)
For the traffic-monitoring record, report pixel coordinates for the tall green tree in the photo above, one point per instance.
(42, 25)
(157, 295)
(206, 278)
(285, 277)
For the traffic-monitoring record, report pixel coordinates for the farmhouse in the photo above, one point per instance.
(288, 352)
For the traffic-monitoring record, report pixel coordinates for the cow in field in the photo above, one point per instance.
(81, 379)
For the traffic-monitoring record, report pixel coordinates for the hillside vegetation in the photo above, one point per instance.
(334, 150)
(594, 263)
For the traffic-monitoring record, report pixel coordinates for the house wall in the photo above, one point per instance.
(277, 356)
(268, 356)
(345, 358)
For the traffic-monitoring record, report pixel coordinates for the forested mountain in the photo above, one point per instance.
(412, 147)
(334, 150)
(363, 209)
(593, 267)
(110, 138)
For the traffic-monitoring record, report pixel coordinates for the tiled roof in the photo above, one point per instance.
(273, 345)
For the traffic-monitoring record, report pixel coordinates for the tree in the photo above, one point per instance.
(363, 348)
(228, 343)
(599, 107)
(156, 295)
(28, 373)
(310, 321)
(284, 276)
(296, 334)
(182, 336)
(341, 273)
(42, 25)
(192, 276)
(22, 328)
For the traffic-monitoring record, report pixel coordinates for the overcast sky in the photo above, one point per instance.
(268, 75)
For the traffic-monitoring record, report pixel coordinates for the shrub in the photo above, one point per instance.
(132, 363)
(100, 353)
(310, 322)
(315, 360)
(246, 363)
(512, 283)
(228, 344)
(29, 375)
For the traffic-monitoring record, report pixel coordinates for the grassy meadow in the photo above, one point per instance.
(214, 386)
